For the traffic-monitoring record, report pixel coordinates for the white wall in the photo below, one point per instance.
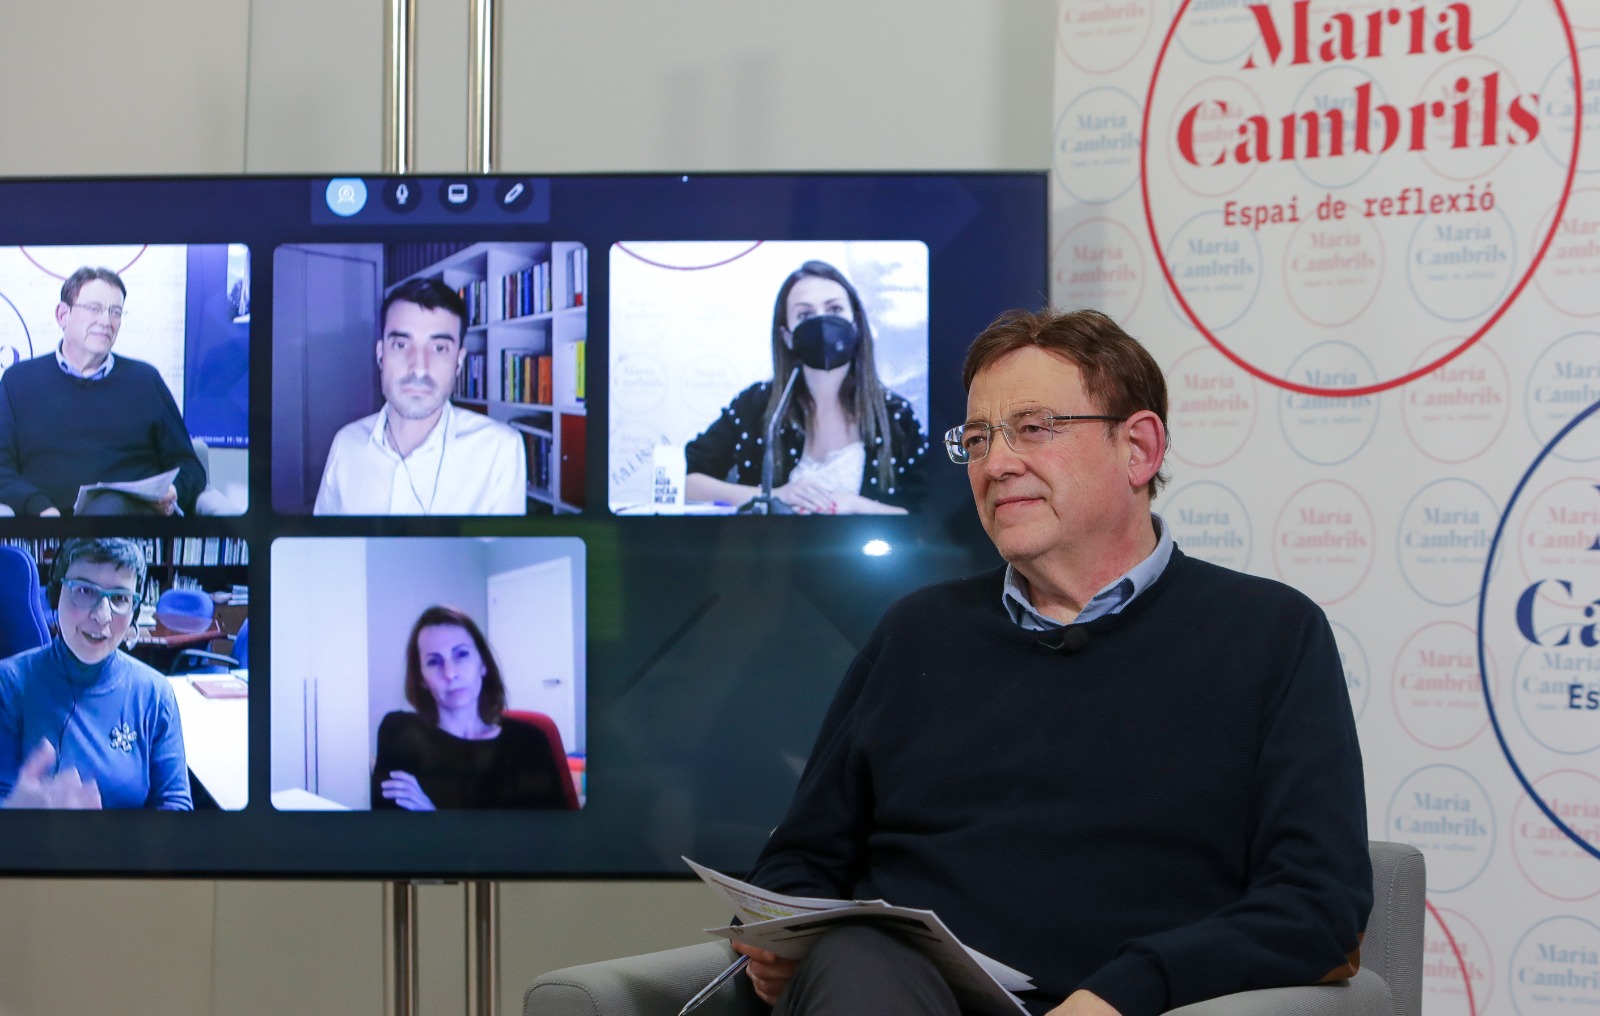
(219, 86)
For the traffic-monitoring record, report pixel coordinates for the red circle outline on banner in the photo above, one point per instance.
(1252, 369)
(1466, 976)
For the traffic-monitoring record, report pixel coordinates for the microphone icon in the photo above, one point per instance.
(402, 194)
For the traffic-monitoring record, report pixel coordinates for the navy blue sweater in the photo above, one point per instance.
(58, 432)
(1174, 812)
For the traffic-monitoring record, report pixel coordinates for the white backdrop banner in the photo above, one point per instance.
(1363, 238)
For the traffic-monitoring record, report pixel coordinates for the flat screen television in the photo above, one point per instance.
(565, 454)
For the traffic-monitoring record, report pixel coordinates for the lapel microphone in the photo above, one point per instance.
(1062, 641)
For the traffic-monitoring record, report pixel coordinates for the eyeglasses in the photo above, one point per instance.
(86, 596)
(94, 310)
(1024, 432)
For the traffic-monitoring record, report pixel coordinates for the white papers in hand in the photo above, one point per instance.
(151, 489)
(788, 925)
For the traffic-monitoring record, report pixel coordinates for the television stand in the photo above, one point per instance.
(400, 947)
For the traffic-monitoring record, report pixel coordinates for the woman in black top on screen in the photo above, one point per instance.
(458, 750)
(847, 444)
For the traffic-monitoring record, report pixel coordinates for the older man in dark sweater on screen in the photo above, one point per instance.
(1131, 774)
(82, 415)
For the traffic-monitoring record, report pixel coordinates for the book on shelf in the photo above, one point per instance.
(511, 368)
(580, 368)
(472, 382)
(476, 296)
(545, 388)
(577, 276)
(539, 451)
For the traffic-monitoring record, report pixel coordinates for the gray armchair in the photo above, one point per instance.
(1389, 984)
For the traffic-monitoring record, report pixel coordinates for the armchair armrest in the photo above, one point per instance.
(654, 984)
(1365, 994)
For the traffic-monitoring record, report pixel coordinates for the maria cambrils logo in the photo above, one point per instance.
(1380, 175)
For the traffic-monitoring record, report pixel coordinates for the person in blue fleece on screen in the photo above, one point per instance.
(1126, 772)
(82, 724)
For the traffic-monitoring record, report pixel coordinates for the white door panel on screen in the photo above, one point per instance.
(530, 627)
(324, 331)
(319, 670)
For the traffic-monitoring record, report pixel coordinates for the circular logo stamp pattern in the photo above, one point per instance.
(1457, 968)
(1329, 430)
(1213, 407)
(1435, 687)
(1556, 689)
(1444, 812)
(1099, 263)
(1209, 521)
(1555, 968)
(1443, 540)
(1475, 83)
(1556, 538)
(1323, 541)
(638, 382)
(1564, 381)
(1455, 412)
(1097, 145)
(1100, 36)
(1221, 269)
(1419, 122)
(1206, 127)
(1335, 89)
(1357, 671)
(1570, 275)
(1547, 857)
(1332, 273)
(1217, 31)
(704, 384)
(1551, 604)
(1460, 266)
(1563, 103)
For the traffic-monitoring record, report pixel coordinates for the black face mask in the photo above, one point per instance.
(826, 341)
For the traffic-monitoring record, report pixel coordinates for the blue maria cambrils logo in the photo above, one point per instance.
(1540, 606)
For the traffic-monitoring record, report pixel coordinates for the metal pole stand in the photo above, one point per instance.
(483, 947)
(400, 952)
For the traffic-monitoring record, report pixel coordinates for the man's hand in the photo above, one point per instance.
(37, 787)
(168, 502)
(51, 512)
(1084, 1003)
(403, 789)
(769, 972)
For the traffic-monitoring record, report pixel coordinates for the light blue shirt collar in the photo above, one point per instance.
(1110, 600)
(71, 371)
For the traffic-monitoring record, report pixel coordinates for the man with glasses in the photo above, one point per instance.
(82, 724)
(82, 415)
(1128, 773)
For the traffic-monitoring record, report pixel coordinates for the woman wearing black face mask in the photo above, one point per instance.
(846, 443)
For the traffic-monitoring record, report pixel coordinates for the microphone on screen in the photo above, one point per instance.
(1062, 641)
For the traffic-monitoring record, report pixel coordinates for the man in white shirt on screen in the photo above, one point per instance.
(419, 454)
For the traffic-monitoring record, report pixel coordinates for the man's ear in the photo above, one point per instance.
(1147, 447)
(378, 351)
(62, 310)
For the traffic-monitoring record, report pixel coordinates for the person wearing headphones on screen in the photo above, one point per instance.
(83, 724)
(419, 454)
(847, 444)
(82, 415)
(1128, 773)
(458, 749)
